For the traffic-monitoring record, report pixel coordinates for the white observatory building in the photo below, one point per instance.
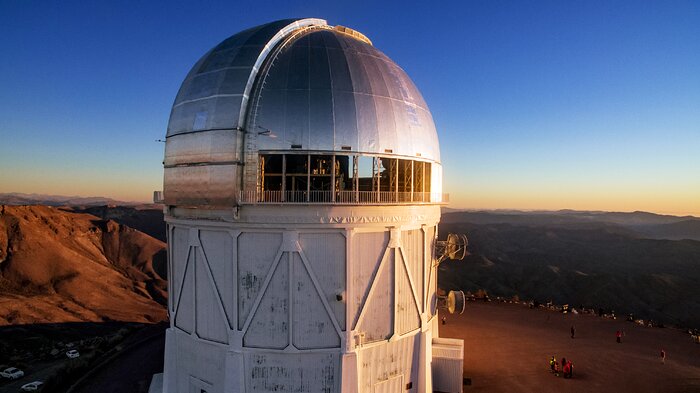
(303, 188)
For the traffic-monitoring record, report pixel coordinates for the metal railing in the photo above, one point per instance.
(343, 197)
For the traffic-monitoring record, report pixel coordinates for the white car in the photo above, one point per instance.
(12, 373)
(72, 354)
(32, 386)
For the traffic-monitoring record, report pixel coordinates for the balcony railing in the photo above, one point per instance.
(342, 197)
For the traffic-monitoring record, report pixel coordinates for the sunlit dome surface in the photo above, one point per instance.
(304, 85)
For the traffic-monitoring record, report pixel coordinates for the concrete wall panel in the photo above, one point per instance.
(368, 250)
(256, 253)
(197, 360)
(414, 252)
(407, 314)
(184, 312)
(326, 254)
(312, 326)
(391, 385)
(430, 272)
(211, 324)
(218, 248)
(381, 363)
(180, 248)
(269, 327)
(292, 373)
(377, 322)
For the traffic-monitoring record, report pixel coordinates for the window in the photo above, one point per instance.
(271, 167)
(296, 177)
(321, 179)
(341, 178)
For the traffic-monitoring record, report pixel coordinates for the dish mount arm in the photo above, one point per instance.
(455, 247)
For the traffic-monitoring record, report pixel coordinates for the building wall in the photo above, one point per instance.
(267, 302)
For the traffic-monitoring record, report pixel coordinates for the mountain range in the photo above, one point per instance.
(639, 263)
(639, 223)
(17, 199)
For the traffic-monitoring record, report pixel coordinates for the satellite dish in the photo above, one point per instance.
(455, 247)
(455, 302)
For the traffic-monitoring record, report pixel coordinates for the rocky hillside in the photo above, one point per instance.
(62, 266)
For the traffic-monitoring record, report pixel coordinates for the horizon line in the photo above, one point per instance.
(471, 209)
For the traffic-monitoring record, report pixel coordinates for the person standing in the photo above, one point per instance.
(618, 335)
(663, 356)
(552, 362)
(573, 331)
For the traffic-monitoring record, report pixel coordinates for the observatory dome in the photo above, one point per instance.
(292, 85)
(302, 191)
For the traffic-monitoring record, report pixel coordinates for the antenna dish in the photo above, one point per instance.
(455, 302)
(455, 247)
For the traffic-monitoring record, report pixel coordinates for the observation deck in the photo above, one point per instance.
(343, 198)
(342, 179)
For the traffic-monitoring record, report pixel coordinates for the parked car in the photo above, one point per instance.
(12, 373)
(72, 354)
(32, 386)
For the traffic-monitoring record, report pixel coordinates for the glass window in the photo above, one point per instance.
(270, 174)
(421, 181)
(321, 178)
(387, 179)
(342, 178)
(365, 178)
(427, 177)
(405, 179)
(296, 177)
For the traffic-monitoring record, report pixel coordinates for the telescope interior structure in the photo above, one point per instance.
(302, 194)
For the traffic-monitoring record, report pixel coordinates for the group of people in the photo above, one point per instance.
(567, 367)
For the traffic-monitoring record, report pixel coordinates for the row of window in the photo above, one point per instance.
(342, 178)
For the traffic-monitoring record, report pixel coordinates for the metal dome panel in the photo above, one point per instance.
(328, 91)
(297, 85)
(218, 86)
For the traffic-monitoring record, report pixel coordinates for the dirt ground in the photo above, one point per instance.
(507, 349)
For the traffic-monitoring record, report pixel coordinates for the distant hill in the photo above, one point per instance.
(147, 218)
(620, 261)
(641, 224)
(15, 199)
(61, 266)
(687, 229)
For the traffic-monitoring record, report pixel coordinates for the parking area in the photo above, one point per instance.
(39, 371)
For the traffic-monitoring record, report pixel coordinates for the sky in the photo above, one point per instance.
(587, 105)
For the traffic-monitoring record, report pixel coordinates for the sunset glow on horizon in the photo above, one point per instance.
(538, 106)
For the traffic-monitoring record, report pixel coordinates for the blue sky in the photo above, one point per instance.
(538, 104)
